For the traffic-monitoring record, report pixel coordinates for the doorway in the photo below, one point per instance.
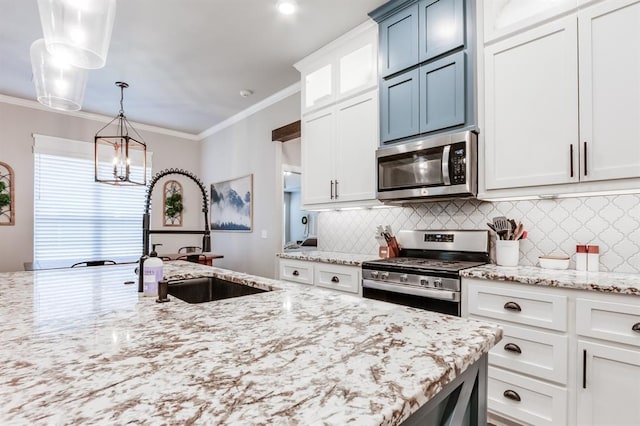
(299, 226)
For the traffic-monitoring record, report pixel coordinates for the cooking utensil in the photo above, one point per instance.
(512, 229)
(501, 224)
(518, 232)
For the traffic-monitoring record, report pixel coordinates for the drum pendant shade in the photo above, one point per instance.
(58, 84)
(78, 30)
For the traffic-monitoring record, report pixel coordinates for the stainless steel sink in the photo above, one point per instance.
(200, 290)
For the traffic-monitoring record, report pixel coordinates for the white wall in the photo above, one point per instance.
(243, 148)
(18, 123)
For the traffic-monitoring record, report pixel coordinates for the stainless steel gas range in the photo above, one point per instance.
(426, 274)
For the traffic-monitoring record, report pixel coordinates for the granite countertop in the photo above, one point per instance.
(80, 346)
(348, 259)
(605, 282)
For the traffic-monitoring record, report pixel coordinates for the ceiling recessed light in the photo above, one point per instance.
(245, 93)
(287, 7)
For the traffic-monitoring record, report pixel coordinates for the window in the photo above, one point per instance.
(76, 218)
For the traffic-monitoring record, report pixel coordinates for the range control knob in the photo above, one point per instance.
(424, 283)
(404, 278)
(437, 282)
(384, 275)
(374, 274)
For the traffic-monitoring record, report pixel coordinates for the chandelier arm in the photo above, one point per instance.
(129, 126)
(107, 125)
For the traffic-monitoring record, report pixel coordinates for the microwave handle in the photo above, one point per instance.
(445, 165)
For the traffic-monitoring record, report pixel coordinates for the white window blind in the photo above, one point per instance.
(77, 219)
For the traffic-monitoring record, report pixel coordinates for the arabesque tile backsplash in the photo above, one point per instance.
(554, 226)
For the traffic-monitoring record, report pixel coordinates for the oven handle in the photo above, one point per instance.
(452, 296)
(445, 165)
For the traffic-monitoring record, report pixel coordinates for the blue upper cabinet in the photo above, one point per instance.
(399, 41)
(399, 106)
(442, 93)
(441, 27)
(426, 63)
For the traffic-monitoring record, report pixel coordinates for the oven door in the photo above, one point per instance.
(442, 301)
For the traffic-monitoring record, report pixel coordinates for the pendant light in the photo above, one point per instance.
(59, 85)
(79, 30)
(120, 159)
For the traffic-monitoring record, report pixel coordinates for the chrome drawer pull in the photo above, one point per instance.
(512, 395)
(335, 279)
(512, 347)
(295, 273)
(636, 327)
(512, 306)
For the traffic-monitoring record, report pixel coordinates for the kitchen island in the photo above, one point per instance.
(80, 346)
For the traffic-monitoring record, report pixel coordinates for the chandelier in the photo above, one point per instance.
(120, 159)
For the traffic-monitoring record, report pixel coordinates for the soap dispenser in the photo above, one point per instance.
(152, 273)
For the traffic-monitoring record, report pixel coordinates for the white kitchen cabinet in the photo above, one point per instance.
(317, 152)
(609, 50)
(560, 106)
(567, 356)
(341, 69)
(505, 17)
(531, 107)
(342, 278)
(337, 277)
(338, 152)
(340, 131)
(528, 400)
(609, 388)
(296, 271)
(609, 368)
(528, 369)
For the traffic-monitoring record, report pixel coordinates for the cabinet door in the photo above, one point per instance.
(441, 27)
(356, 143)
(357, 64)
(399, 41)
(531, 110)
(399, 115)
(442, 93)
(608, 385)
(609, 90)
(318, 133)
(502, 17)
(319, 83)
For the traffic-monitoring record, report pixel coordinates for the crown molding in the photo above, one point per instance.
(265, 103)
(27, 103)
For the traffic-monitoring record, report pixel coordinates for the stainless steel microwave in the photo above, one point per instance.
(444, 166)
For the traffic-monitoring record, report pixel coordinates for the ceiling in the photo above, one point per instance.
(187, 60)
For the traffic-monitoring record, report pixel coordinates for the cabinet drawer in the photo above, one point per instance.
(617, 322)
(338, 277)
(522, 307)
(526, 400)
(532, 352)
(297, 271)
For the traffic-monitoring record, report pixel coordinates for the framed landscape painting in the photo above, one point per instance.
(232, 205)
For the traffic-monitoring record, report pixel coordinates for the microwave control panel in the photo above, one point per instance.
(457, 164)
